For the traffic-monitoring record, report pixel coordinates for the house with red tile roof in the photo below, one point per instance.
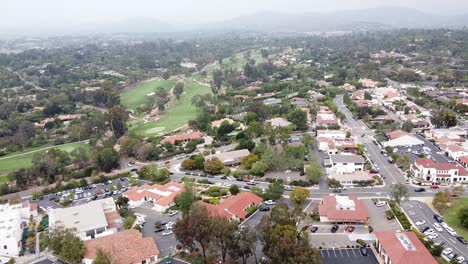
(235, 207)
(426, 171)
(464, 161)
(342, 209)
(455, 151)
(124, 247)
(182, 138)
(326, 118)
(401, 248)
(162, 196)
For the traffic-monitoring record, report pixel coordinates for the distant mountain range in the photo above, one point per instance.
(375, 18)
(351, 20)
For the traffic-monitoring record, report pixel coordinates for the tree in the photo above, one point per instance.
(153, 173)
(333, 183)
(199, 160)
(250, 117)
(441, 200)
(444, 118)
(64, 243)
(307, 140)
(463, 217)
(121, 201)
(234, 189)
(274, 191)
(23, 134)
(102, 257)
(259, 168)
(213, 166)
(244, 244)
(403, 161)
(313, 172)
(298, 118)
(367, 95)
(189, 164)
(223, 231)
(185, 199)
(299, 195)
(246, 144)
(399, 193)
(80, 156)
(107, 159)
(248, 161)
(117, 118)
(178, 89)
(194, 227)
(407, 126)
(458, 190)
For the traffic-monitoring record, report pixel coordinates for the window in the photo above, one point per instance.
(5, 247)
(345, 163)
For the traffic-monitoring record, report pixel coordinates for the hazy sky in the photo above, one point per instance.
(66, 12)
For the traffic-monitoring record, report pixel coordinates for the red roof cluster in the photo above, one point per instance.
(396, 134)
(430, 164)
(330, 209)
(399, 254)
(162, 195)
(186, 137)
(234, 205)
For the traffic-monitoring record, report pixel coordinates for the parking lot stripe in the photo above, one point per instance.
(354, 253)
(347, 253)
(334, 253)
(341, 253)
(328, 253)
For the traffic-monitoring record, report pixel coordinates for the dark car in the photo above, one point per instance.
(188, 173)
(239, 179)
(134, 169)
(247, 187)
(420, 190)
(224, 177)
(159, 230)
(350, 229)
(264, 208)
(210, 176)
(462, 240)
(334, 228)
(336, 190)
(363, 251)
(424, 229)
(122, 179)
(438, 218)
(313, 229)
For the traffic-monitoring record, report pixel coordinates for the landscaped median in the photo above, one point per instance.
(401, 217)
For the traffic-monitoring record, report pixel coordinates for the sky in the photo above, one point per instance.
(34, 13)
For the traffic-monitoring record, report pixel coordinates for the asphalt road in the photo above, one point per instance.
(418, 211)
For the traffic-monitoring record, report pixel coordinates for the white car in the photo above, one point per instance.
(437, 227)
(167, 233)
(270, 202)
(432, 236)
(288, 171)
(451, 232)
(420, 223)
(380, 203)
(460, 259)
(444, 225)
(447, 251)
(172, 213)
(429, 231)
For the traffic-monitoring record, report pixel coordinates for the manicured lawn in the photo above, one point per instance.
(17, 160)
(175, 117)
(134, 97)
(237, 61)
(450, 216)
(3, 179)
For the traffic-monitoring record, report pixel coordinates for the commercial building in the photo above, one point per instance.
(334, 146)
(352, 179)
(426, 171)
(342, 209)
(235, 207)
(346, 163)
(94, 219)
(125, 247)
(13, 219)
(272, 101)
(279, 122)
(162, 196)
(401, 248)
(230, 158)
(404, 141)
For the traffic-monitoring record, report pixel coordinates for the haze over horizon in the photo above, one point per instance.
(49, 15)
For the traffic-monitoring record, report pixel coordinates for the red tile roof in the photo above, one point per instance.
(396, 134)
(190, 136)
(464, 159)
(124, 247)
(398, 254)
(234, 205)
(329, 209)
(428, 163)
(161, 194)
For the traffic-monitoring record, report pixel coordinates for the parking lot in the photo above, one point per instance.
(327, 240)
(166, 244)
(378, 218)
(347, 256)
(85, 194)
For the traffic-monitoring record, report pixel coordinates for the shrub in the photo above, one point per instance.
(361, 242)
(371, 229)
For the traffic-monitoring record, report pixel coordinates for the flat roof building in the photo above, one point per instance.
(342, 209)
(230, 158)
(94, 219)
(162, 196)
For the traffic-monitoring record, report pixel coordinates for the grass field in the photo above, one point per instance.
(237, 61)
(134, 97)
(450, 216)
(176, 116)
(17, 160)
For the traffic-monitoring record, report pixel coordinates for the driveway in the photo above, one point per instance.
(378, 218)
